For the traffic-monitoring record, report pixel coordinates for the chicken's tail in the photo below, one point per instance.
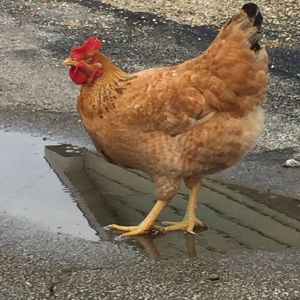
(237, 63)
(247, 22)
(256, 18)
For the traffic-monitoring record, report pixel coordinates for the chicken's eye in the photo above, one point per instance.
(90, 60)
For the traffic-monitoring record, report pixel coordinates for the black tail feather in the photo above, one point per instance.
(253, 12)
(250, 9)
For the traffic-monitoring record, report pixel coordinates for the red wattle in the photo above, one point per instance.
(77, 75)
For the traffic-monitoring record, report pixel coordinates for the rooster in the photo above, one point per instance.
(179, 122)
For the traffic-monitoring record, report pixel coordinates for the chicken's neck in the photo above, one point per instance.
(99, 98)
(111, 73)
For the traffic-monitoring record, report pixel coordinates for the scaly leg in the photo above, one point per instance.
(190, 221)
(146, 225)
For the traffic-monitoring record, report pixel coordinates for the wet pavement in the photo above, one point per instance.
(105, 194)
(56, 198)
(72, 190)
(56, 195)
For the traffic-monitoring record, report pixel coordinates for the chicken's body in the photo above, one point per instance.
(184, 121)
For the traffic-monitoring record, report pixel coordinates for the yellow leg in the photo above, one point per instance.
(190, 221)
(146, 225)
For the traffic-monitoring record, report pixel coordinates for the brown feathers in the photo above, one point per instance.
(185, 121)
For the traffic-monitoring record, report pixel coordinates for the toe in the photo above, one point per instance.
(138, 231)
(121, 228)
(190, 231)
(200, 223)
(168, 223)
(187, 225)
(190, 228)
(135, 230)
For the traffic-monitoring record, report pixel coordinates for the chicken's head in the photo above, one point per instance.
(84, 62)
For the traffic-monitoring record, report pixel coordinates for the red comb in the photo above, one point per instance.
(92, 43)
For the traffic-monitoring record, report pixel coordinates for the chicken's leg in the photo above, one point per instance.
(190, 221)
(146, 225)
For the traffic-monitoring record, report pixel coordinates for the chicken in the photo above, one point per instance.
(179, 122)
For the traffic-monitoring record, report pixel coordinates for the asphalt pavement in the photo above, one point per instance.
(37, 98)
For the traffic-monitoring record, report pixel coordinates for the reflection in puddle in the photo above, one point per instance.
(238, 218)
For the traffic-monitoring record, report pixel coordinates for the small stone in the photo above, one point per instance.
(291, 163)
(214, 277)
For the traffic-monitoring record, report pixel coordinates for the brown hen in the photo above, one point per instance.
(179, 122)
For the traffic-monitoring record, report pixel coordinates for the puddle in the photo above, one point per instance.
(30, 189)
(80, 193)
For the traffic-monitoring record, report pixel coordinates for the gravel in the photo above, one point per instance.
(137, 41)
(281, 17)
(53, 27)
(38, 264)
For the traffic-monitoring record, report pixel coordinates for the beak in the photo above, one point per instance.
(70, 62)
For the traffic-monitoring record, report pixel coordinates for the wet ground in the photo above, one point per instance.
(72, 190)
(56, 198)
(56, 195)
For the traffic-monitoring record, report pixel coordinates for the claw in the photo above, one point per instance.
(109, 227)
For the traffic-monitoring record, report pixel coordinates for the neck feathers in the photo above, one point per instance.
(110, 70)
(98, 99)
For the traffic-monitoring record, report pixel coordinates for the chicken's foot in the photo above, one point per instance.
(190, 221)
(146, 225)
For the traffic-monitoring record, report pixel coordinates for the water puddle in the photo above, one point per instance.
(30, 189)
(80, 193)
